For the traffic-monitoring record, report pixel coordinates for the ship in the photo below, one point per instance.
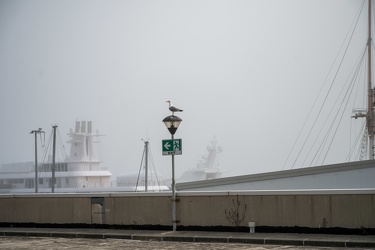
(81, 171)
(206, 169)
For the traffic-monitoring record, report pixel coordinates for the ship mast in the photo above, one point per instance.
(370, 106)
(369, 113)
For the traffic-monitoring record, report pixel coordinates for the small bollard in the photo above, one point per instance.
(252, 227)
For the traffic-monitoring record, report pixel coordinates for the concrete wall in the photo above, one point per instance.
(139, 210)
(275, 209)
(39, 209)
(312, 211)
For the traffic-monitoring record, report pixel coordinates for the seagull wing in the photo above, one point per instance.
(174, 109)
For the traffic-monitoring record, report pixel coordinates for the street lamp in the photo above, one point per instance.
(172, 122)
(36, 157)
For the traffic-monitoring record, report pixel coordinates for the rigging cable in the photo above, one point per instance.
(356, 141)
(330, 88)
(45, 154)
(356, 22)
(140, 167)
(42, 143)
(355, 74)
(65, 159)
(62, 148)
(338, 124)
(352, 146)
(308, 116)
(153, 167)
(343, 110)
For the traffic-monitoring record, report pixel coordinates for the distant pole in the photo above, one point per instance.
(35, 132)
(53, 158)
(146, 166)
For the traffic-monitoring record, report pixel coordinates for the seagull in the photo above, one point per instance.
(173, 108)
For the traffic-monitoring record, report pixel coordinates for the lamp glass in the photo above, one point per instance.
(172, 122)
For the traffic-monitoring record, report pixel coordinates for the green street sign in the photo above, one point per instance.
(172, 147)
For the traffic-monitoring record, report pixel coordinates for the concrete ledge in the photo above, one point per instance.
(146, 237)
(15, 233)
(63, 235)
(258, 241)
(216, 239)
(324, 243)
(90, 235)
(117, 236)
(291, 242)
(39, 234)
(192, 236)
(359, 244)
(178, 238)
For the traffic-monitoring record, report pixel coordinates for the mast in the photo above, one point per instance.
(370, 106)
(145, 154)
(35, 132)
(146, 166)
(53, 158)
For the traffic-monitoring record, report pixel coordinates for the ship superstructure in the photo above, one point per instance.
(80, 172)
(206, 169)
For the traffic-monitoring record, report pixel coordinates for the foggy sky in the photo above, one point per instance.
(245, 72)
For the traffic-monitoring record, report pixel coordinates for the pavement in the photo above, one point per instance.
(318, 240)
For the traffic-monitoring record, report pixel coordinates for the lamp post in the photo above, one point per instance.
(172, 122)
(36, 132)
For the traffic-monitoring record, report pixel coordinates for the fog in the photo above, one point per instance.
(244, 72)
